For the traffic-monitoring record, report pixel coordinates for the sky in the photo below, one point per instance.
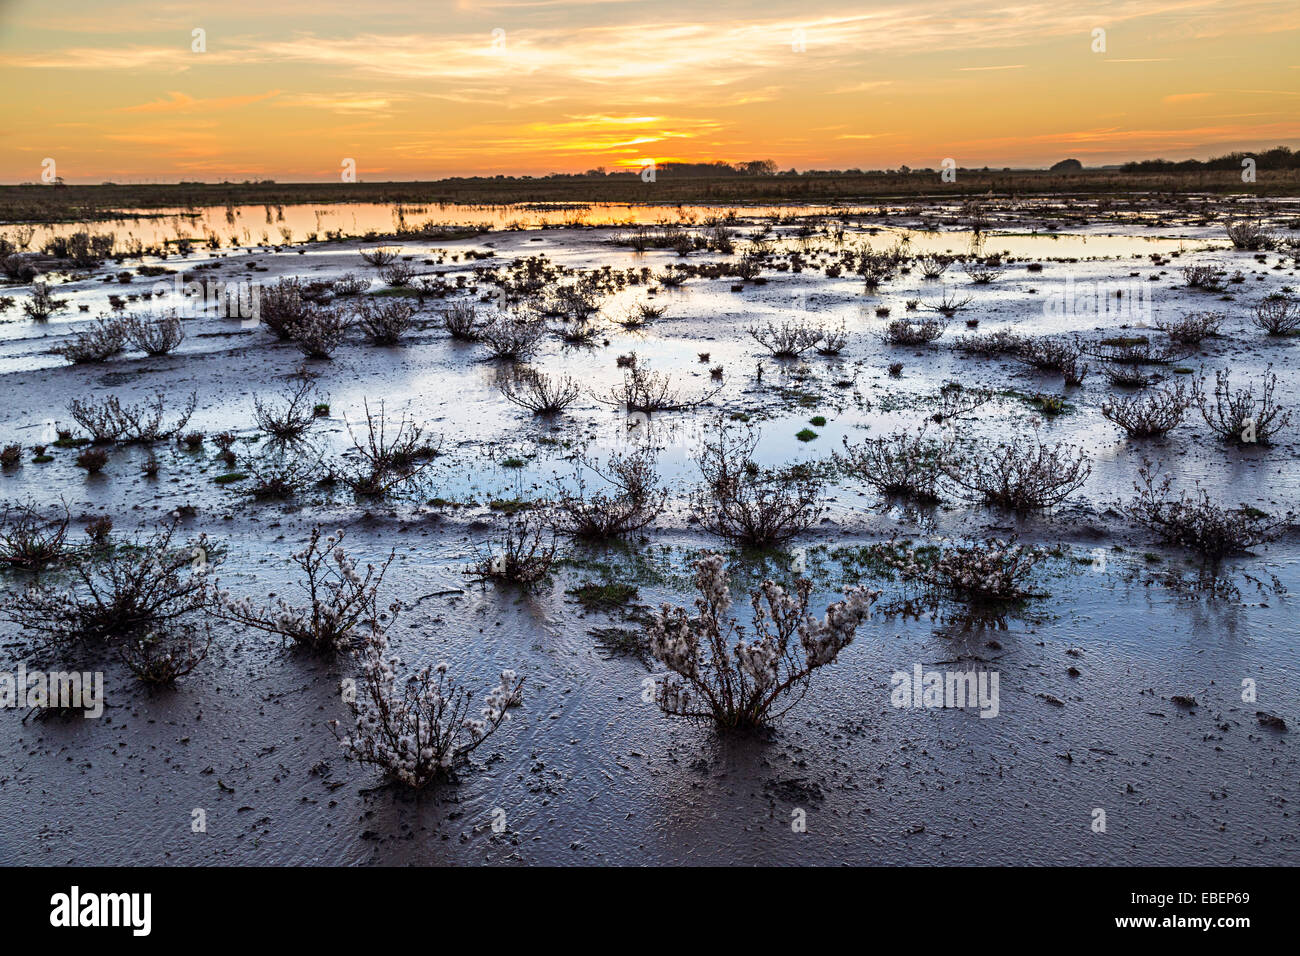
(289, 90)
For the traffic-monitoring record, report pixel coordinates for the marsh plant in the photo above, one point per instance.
(720, 672)
(1191, 329)
(149, 585)
(910, 332)
(289, 416)
(379, 256)
(1249, 235)
(1194, 521)
(42, 304)
(386, 457)
(991, 570)
(1278, 315)
(160, 658)
(745, 503)
(512, 337)
(112, 421)
(1023, 474)
(104, 339)
(1240, 417)
(341, 601)
(30, 541)
(523, 553)
(647, 392)
(417, 727)
(385, 322)
(788, 340)
(282, 468)
(906, 464)
(1151, 413)
(462, 322)
(631, 500)
(538, 392)
(283, 307)
(319, 332)
(157, 336)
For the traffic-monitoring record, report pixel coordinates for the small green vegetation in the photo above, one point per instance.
(602, 595)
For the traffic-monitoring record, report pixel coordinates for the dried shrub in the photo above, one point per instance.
(161, 658)
(933, 266)
(990, 571)
(1048, 354)
(1278, 315)
(1248, 235)
(93, 460)
(1149, 414)
(155, 336)
(745, 503)
(983, 272)
(956, 401)
(385, 323)
(342, 604)
(948, 305)
(106, 338)
(147, 586)
(42, 304)
(832, 341)
(1239, 417)
(630, 502)
(292, 415)
(282, 468)
(1022, 474)
(379, 256)
(1191, 329)
(992, 345)
(904, 463)
(1207, 278)
(112, 421)
(1194, 521)
(512, 337)
(349, 284)
(387, 460)
(1129, 376)
(320, 331)
(416, 728)
(641, 315)
(716, 674)
(282, 307)
(538, 392)
(31, 542)
(1138, 350)
(648, 392)
(788, 340)
(909, 332)
(522, 554)
(461, 322)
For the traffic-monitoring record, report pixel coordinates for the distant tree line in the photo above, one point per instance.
(1279, 157)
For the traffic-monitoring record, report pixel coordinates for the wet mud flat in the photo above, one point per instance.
(1120, 689)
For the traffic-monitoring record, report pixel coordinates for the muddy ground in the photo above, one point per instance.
(587, 772)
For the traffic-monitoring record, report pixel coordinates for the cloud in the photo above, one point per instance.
(180, 103)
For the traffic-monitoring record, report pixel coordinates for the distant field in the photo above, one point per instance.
(41, 203)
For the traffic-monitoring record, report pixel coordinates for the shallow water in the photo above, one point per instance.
(587, 772)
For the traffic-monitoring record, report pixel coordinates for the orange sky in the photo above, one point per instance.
(287, 90)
